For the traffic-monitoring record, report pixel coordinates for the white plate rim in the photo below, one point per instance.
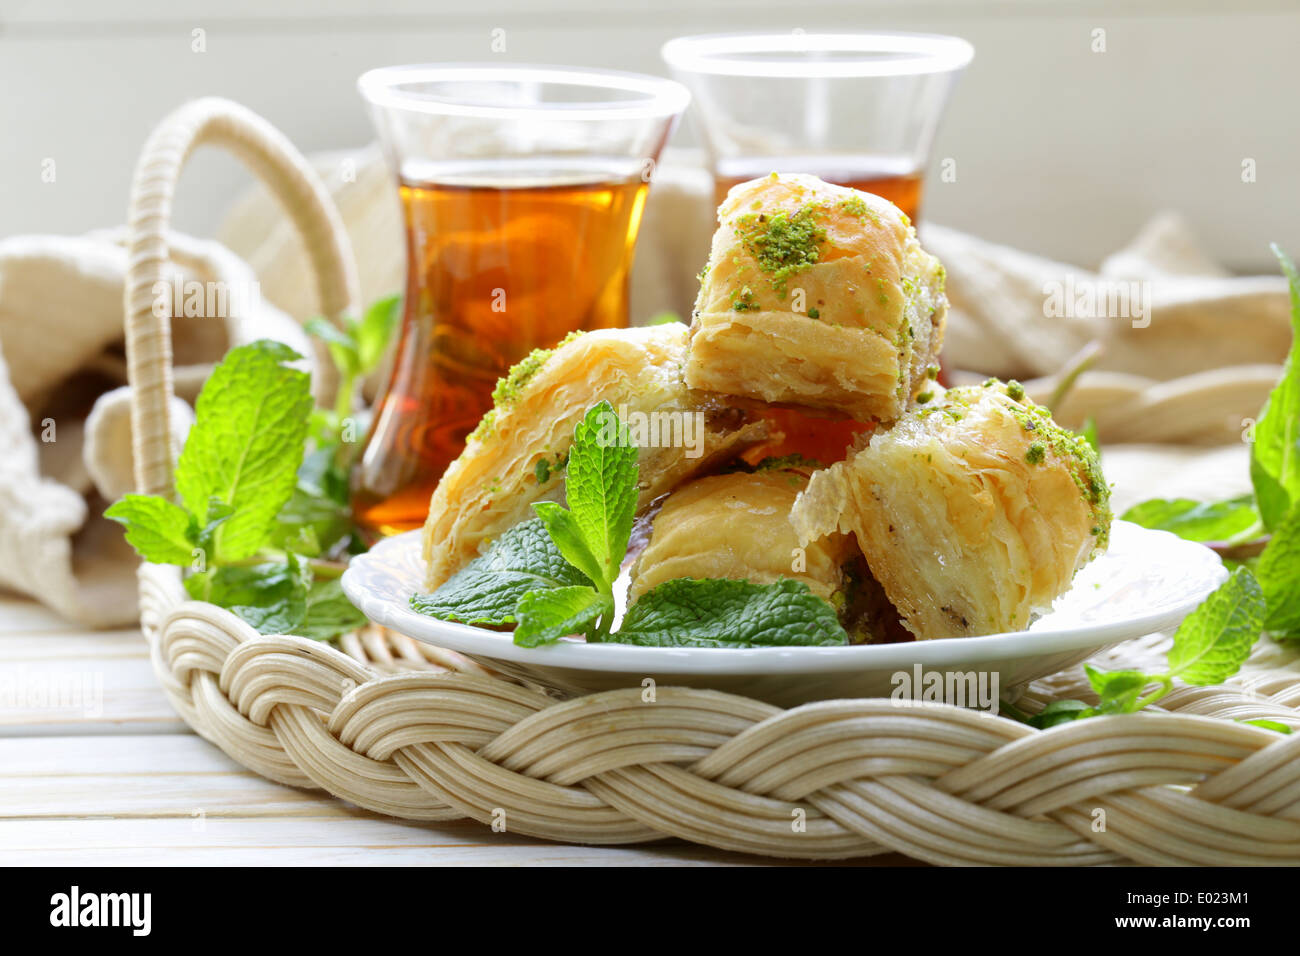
(625, 658)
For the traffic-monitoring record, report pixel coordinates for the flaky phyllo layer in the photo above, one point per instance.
(973, 512)
(737, 525)
(518, 453)
(817, 296)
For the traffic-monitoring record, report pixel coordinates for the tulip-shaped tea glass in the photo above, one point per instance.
(856, 109)
(522, 191)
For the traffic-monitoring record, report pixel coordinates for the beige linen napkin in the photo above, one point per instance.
(65, 429)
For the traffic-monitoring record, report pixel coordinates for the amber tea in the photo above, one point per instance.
(497, 269)
(900, 185)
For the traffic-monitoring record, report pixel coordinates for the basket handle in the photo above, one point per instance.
(268, 154)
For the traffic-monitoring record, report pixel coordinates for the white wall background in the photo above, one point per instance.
(1059, 149)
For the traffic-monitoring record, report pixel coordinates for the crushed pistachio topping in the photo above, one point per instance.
(508, 389)
(1048, 438)
(782, 244)
(521, 373)
(483, 430)
(814, 313)
(1015, 390)
(854, 206)
(743, 301)
(545, 468)
(512, 384)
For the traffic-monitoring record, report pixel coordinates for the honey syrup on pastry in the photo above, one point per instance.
(496, 269)
(822, 439)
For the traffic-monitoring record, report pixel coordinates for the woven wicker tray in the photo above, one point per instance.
(411, 731)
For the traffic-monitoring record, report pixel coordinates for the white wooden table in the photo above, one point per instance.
(96, 768)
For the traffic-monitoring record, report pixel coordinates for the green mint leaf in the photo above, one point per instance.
(310, 523)
(1275, 452)
(1278, 572)
(342, 346)
(282, 617)
(601, 488)
(270, 596)
(1215, 639)
(160, 530)
(546, 616)
(264, 583)
(693, 612)
(567, 535)
(321, 476)
(374, 330)
(1119, 690)
(1268, 725)
(280, 597)
(1060, 712)
(1194, 520)
(329, 613)
(487, 589)
(245, 446)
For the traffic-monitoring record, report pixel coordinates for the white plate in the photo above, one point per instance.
(1147, 581)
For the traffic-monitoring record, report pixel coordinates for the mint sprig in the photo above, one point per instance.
(356, 348)
(592, 533)
(601, 491)
(555, 575)
(245, 447)
(254, 519)
(1209, 647)
(237, 469)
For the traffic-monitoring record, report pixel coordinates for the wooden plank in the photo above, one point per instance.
(506, 854)
(140, 776)
(362, 840)
(110, 756)
(176, 800)
(79, 683)
(73, 643)
(59, 678)
(19, 614)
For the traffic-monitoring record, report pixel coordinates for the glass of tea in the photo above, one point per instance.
(522, 191)
(856, 109)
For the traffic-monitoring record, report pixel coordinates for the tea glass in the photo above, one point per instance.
(856, 109)
(522, 192)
